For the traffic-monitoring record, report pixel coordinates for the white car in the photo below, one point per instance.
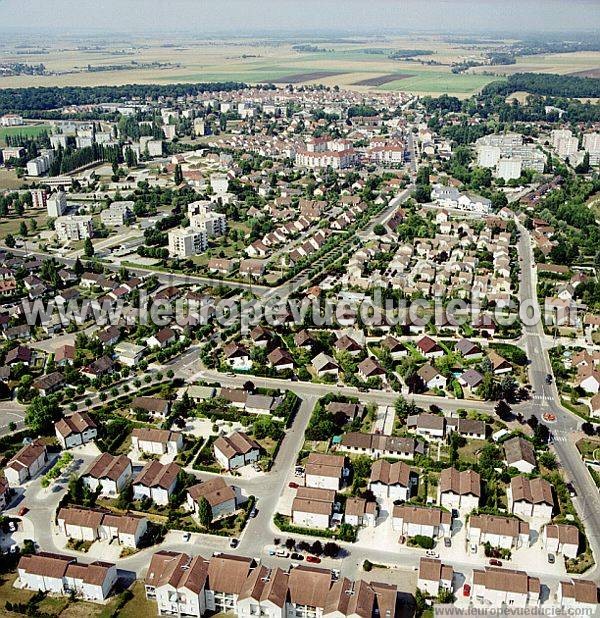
(282, 553)
(432, 554)
(186, 537)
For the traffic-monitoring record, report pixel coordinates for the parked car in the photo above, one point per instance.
(297, 556)
(12, 526)
(495, 562)
(282, 553)
(254, 512)
(551, 558)
(473, 548)
(313, 559)
(23, 510)
(466, 590)
(186, 537)
(549, 378)
(233, 543)
(447, 542)
(432, 553)
(293, 485)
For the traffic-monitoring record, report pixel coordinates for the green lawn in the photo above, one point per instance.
(28, 130)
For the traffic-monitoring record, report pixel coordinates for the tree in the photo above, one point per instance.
(88, 248)
(316, 548)
(178, 177)
(9, 241)
(41, 414)
(23, 231)
(78, 268)
(331, 549)
(204, 513)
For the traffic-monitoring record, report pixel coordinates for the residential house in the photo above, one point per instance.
(370, 368)
(411, 520)
(429, 426)
(429, 348)
(360, 512)
(431, 377)
(519, 454)
(156, 481)
(324, 471)
(222, 498)
(280, 359)
(531, 498)
(378, 445)
(156, 441)
(236, 450)
(95, 524)
(434, 576)
(154, 406)
(579, 594)
(313, 508)
(76, 429)
(459, 490)
(562, 539)
(109, 474)
(237, 356)
(54, 573)
(392, 480)
(26, 463)
(499, 587)
(498, 531)
(325, 365)
(163, 338)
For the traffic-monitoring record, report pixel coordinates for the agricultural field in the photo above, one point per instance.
(357, 65)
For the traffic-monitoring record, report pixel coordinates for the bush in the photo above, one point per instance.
(426, 542)
(367, 565)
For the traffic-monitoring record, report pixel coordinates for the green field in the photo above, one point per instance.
(441, 83)
(28, 130)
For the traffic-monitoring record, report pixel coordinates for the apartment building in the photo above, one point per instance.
(498, 587)
(56, 204)
(186, 242)
(74, 227)
(193, 586)
(117, 214)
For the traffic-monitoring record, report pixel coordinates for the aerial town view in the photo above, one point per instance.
(299, 308)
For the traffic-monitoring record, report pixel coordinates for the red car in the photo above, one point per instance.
(293, 485)
(313, 559)
(495, 562)
(466, 590)
(23, 510)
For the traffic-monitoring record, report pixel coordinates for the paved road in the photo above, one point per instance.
(11, 412)
(546, 399)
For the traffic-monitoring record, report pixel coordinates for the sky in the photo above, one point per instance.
(246, 17)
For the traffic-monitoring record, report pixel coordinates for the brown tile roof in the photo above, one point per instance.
(108, 466)
(431, 569)
(155, 474)
(216, 491)
(152, 434)
(461, 483)
(581, 590)
(493, 524)
(508, 580)
(26, 455)
(309, 586)
(228, 574)
(86, 518)
(266, 584)
(75, 423)
(238, 443)
(151, 404)
(93, 574)
(397, 473)
(379, 442)
(518, 449)
(421, 515)
(351, 598)
(177, 570)
(534, 491)
(565, 533)
(45, 564)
